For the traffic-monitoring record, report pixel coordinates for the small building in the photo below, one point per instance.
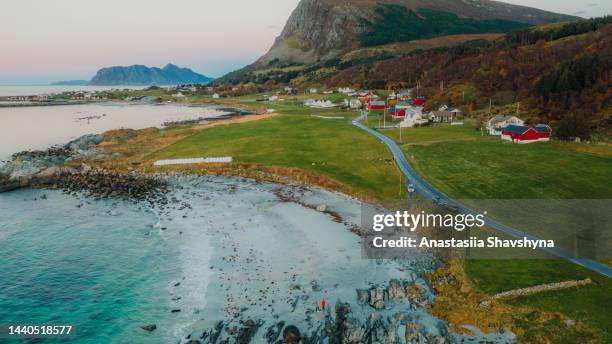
(314, 91)
(321, 104)
(216, 96)
(377, 105)
(414, 116)
(178, 95)
(291, 90)
(523, 134)
(456, 112)
(495, 124)
(399, 110)
(419, 101)
(444, 116)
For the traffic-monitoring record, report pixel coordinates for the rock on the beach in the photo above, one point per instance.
(246, 333)
(149, 328)
(291, 334)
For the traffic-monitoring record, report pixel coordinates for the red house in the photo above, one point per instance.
(398, 113)
(419, 101)
(377, 105)
(523, 134)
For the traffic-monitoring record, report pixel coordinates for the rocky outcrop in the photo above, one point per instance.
(98, 184)
(397, 290)
(47, 169)
(317, 29)
(341, 325)
(323, 29)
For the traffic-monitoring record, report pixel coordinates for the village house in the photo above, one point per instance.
(444, 116)
(495, 124)
(321, 104)
(291, 90)
(522, 134)
(346, 90)
(376, 105)
(413, 117)
(216, 96)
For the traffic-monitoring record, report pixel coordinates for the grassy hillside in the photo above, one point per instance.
(396, 23)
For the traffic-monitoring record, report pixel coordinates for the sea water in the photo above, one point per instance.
(100, 266)
(38, 127)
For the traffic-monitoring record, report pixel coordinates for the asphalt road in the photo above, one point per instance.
(430, 192)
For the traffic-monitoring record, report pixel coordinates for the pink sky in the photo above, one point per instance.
(45, 40)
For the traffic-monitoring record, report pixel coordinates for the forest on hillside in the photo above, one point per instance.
(561, 74)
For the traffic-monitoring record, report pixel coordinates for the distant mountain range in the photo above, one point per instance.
(70, 83)
(139, 75)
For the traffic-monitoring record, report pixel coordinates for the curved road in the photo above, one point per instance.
(430, 192)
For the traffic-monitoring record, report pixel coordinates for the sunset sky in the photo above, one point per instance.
(43, 41)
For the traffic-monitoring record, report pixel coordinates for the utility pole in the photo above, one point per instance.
(385, 115)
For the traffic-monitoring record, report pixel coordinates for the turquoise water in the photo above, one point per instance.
(102, 268)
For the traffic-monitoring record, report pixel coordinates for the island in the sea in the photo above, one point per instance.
(140, 75)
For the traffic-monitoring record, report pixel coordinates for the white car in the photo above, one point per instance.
(411, 188)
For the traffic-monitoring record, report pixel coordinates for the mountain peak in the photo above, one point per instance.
(323, 29)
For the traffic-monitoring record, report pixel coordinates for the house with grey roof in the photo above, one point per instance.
(498, 122)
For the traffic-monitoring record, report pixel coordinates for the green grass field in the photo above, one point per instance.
(490, 168)
(333, 148)
(466, 165)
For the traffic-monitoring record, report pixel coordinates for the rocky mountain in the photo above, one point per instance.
(323, 29)
(137, 75)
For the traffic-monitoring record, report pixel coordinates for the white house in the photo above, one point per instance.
(178, 95)
(319, 104)
(216, 96)
(314, 91)
(498, 122)
(346, 90)
(414, 116)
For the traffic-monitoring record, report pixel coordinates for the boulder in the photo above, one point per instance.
(149, 328)
(291, 334)
(377, 298)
